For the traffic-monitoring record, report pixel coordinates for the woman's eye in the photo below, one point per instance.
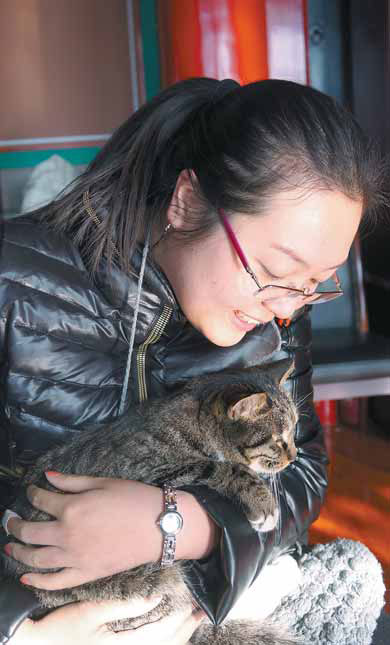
(269, 274)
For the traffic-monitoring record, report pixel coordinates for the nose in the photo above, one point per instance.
(267, 318)
(283, 308)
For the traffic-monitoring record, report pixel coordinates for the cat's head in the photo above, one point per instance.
(256, 413)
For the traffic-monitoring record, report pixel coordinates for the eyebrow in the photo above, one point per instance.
(295, 257)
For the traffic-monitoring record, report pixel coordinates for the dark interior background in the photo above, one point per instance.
(349, 59)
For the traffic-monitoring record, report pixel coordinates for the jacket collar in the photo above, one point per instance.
(120, 290)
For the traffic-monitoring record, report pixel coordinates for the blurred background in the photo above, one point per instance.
(72, 70)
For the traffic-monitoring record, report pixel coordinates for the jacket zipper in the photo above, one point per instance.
(153, 337)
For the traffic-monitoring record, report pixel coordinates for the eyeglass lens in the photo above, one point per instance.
(315, 298)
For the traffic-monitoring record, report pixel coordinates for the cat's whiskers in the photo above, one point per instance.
(275, 486)
(302, 400)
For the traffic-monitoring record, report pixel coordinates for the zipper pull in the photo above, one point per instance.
(284, 322)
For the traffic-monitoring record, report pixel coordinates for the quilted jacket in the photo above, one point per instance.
(63, 349)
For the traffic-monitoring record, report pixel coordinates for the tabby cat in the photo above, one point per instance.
(224, 431)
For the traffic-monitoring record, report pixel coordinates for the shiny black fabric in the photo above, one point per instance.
(16, 604)
(63, 351)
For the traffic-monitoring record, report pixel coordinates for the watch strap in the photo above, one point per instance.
(169, 544)
(169, 550)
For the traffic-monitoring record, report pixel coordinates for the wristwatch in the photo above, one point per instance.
(170, 522)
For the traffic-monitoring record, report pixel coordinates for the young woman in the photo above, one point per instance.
(212, 213)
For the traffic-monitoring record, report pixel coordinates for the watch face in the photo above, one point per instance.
(171, 522)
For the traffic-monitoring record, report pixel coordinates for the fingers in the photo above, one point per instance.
(51, 502)
(6, 518)
(40, 558)
(175, 629)
(188, 627)
(68, 577)
(73, 483)
(107, 612)
(33, 532)
(198, 616)
(46, 500)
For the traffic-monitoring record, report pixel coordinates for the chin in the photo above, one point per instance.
(222, 339)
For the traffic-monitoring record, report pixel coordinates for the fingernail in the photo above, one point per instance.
(154, 599)
(8, 549)
(53, 473)
(6, 517)
(24, 580)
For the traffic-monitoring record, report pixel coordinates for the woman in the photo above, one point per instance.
(132, 282)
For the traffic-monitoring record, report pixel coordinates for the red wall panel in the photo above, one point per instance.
(216, 38)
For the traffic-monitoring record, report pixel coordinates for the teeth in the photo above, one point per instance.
(247, 319)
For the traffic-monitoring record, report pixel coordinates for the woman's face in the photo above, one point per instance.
(213, 289)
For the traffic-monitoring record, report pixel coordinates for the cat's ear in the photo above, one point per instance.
(249, 408)
(281, 370)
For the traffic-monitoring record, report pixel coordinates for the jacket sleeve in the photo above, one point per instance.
(217, 582)
(16, 604)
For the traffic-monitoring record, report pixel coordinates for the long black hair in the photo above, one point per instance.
(244, 144)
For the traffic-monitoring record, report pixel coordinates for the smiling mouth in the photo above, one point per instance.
(247, 319)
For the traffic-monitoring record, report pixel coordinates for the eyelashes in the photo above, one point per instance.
(278, 277)
(273, 277)
(268, 273)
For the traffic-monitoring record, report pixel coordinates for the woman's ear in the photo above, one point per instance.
(183, 198)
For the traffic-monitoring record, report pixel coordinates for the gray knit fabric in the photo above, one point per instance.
(340, 598)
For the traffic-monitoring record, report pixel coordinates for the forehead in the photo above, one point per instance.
(319, 227)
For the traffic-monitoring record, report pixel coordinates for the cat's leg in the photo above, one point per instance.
(251, 493)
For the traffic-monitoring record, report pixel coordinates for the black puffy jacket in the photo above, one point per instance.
(63, 350)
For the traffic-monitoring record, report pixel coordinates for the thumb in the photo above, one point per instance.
(188, 627)
(198, 615)
(72, 483)
(108, 611)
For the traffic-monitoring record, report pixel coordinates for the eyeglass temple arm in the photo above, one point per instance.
(237, 247)
(336, 279)
(244, 261)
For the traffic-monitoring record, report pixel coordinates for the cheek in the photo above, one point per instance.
(209, 290)
(221, 288)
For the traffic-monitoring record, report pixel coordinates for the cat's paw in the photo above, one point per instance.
(266, 522)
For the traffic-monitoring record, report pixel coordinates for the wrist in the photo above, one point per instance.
(199, 535)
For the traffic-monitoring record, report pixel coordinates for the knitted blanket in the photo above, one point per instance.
(339, 598)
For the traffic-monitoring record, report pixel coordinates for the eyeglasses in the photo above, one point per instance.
(277, 291)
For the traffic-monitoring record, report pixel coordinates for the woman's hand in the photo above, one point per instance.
(104, 526)
(85, 624)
